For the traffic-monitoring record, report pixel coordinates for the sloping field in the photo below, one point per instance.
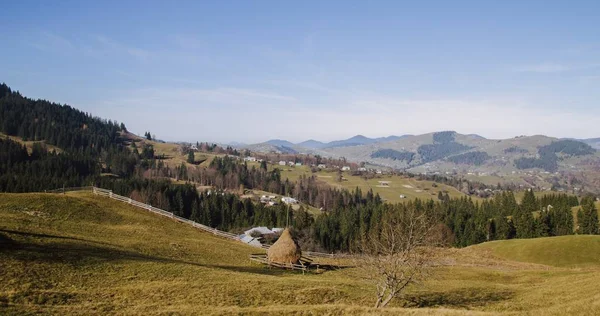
(82, 254)
(410, 188)
(562, 251)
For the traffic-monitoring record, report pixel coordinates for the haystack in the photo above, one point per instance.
(285, 250)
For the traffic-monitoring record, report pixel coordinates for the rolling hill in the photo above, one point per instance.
(80, 254)
(562, 251)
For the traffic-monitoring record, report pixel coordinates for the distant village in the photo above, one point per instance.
(432, 171)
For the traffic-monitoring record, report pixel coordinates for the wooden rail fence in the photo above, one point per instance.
(214, 231)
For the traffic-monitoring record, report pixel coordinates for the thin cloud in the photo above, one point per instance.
(51, 42)
(111, 46)
(543, 68)
(555, 68)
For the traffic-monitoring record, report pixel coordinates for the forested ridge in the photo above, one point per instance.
(56, 124)
(443, 145)
(548, 158)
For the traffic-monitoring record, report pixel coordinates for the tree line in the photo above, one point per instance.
(462, 221)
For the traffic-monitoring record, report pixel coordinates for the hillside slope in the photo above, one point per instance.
(84, 254)
(80, 254)
(562, 251)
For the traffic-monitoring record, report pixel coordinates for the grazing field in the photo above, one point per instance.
(172, 154)
(82, 254)
(410, 188)
(562, 251)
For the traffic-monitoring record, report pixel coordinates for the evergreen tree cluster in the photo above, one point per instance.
(463, 221)
(547, 155)
(515, 150)
(476, 158)
(394, 155)
(443, 146)
(60, 125)
(84, 140)
(587, 217)
(41, 170)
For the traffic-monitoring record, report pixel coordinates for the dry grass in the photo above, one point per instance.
(81, 254)
(173, 156)
(29, 144)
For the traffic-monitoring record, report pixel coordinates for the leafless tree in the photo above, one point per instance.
(399, 254)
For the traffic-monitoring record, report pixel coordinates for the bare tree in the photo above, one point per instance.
(399, 254)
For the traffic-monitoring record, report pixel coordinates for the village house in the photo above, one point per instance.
(250, 159)
(322, 166)
(282, 163)
(362, 169)
(289, 200)
(345, 168)
(258, 230)
(268, 199)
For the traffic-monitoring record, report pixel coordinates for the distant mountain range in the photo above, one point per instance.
(454, 153)
(311, 144)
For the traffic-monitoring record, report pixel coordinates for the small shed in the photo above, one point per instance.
(252, 241)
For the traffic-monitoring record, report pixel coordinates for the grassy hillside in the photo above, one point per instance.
(562, 251)
(172, 153)
(411, 188)
(81, 254)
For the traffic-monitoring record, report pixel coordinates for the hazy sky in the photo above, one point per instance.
(255, 70)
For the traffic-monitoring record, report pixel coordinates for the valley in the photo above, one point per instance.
(521, 161)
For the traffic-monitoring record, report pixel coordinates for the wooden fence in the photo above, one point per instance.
(214, 231)
(263, 259)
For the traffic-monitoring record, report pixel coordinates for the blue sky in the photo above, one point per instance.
(255, 70)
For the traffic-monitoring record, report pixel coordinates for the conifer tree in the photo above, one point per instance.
(587, 217)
